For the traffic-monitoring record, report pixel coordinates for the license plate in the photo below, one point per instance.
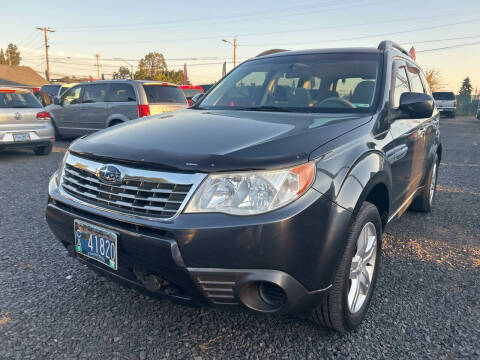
(96, 243)
(21, 137)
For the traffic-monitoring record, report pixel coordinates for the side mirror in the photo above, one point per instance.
(196, 98)
(57, 100)
(417, 105)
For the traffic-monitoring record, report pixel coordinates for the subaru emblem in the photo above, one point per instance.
(110, 174)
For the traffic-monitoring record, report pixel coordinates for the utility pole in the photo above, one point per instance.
(45, 30)
(9, 59)
(98, 66)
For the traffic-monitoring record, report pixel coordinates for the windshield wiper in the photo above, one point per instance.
(265, 108)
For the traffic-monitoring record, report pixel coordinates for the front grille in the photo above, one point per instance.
(147, 196)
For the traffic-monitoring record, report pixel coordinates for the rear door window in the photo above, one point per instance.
(18, 100)
(399, 83)
(121, 93)
(415, 81)
(164, 94)
(94, 93)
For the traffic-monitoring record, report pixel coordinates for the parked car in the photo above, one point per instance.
(206, 87)
(88, 107)
(190, 91)
(272, 192)
(23, 122)
(445, 102)
(51, 89)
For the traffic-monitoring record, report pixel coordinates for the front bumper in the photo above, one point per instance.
(39, 136)
(219, 259)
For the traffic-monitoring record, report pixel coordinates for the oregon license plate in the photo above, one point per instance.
(96, 243)
(21, 137)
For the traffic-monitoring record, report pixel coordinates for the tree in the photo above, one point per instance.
(2, 58)
(123, 73)
(466, 88)
(13, 54)
(150, 66)
(434, 79)
(172, 76)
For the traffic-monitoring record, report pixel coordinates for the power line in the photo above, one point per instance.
(449, 47)
(170, 39)
(176, 24)
(366, 36)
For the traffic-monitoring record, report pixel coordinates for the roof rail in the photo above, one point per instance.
(387, 44)
(271, 51)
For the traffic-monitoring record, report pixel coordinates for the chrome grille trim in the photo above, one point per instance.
(146, 194)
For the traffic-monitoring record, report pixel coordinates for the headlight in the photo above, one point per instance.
(250, 193)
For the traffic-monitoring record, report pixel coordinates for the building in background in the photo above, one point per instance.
(20, 76)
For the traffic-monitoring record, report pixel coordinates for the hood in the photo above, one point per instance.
(220, 140)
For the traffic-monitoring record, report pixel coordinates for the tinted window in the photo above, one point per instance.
(426, 86)
(51, 89)
(299, 83)
(399, 83)
(443, 96)
(18, 100)
(189, 93)
(164, 94)
(72, 96)
(94, 93)
(121, 93)
(415, 81)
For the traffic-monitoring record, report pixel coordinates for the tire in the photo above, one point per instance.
(335, 311)
(58, 136)
(115, 122)
(43, 150)
(424, 201)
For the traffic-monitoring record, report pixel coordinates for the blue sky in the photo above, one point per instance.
(191, 32)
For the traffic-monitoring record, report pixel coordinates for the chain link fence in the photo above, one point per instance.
(467, 104)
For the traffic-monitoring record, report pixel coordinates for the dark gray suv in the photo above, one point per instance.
(272, 192)
(89, 107)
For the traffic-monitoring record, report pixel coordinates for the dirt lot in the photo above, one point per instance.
(426, 303)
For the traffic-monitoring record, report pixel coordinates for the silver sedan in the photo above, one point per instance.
(24, 123)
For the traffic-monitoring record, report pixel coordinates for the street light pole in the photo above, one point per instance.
(234, 44)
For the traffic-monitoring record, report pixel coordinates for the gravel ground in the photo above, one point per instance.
(426, 303)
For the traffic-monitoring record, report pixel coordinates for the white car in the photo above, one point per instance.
(445, 102)
(24, 123)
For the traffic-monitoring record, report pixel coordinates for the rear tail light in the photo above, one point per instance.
(44, 115)
(35, 89)
(454, 104)
(143, 110)
(189, 102)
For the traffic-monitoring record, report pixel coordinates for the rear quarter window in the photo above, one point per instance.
(164, 94)
(18, 101)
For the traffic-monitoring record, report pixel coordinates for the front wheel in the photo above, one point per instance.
(346, 303)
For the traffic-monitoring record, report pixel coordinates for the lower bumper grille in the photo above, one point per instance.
(219, 288)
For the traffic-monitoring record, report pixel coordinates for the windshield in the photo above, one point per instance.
(50, 89)
(343, 83)
(443, 96)
(164, 94)
(18, 101)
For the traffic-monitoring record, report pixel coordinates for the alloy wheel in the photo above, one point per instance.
(433, 182)
(362, 267)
